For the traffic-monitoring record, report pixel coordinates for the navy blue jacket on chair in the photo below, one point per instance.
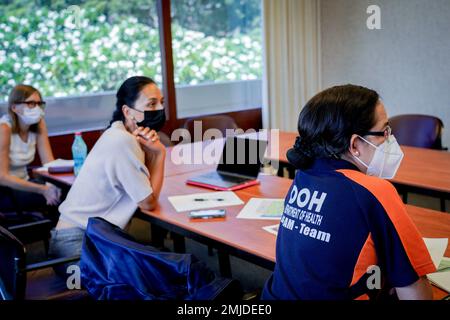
(114, 266)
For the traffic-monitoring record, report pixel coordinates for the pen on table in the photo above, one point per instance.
(203, 199)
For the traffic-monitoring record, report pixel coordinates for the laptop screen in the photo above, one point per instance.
(242, 156)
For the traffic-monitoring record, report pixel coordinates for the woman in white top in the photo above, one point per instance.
(123, 171)
(22, 131)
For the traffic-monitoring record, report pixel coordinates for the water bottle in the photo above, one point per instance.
(79, 152)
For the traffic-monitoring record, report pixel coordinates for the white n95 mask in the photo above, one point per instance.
(31, 116)
(386, 159)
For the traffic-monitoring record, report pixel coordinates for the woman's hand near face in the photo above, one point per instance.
(149, 140)
(154, 160)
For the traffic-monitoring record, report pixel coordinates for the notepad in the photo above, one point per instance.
(206, 200)
(261, 208)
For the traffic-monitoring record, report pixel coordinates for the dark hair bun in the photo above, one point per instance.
(328, 121)
(300, 155)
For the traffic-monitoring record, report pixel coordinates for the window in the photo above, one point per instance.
(217, 52)
(77, 54)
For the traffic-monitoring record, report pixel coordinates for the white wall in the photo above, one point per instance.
(407, 62)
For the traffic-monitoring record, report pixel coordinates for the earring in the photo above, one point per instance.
(357, 153)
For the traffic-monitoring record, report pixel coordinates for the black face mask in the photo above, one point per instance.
(154, 120)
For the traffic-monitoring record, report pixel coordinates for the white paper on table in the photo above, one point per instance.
(56, 163)
(210, 200)
(260, 208)
(273, 229)
(440, 279)
(445, 264)
(436, 247)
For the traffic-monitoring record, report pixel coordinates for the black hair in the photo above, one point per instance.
(127, 95)
(329, 119)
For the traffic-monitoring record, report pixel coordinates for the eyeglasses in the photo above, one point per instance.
(385, 133)
(33, 104)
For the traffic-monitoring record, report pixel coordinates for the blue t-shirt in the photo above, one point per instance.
(343, 235)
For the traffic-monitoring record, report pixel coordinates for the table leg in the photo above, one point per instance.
(179, 245)
(158, 235)
(405, 197)
(224, 264)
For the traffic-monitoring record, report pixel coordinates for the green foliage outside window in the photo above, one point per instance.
(41, 43)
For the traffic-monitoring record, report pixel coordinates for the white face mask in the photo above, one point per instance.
(31, 116)
(386, 159)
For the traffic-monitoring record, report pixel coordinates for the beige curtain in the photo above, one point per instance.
(292, 60)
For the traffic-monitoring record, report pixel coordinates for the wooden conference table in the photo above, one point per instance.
(65, 180)
(241, 237)
(423, 171)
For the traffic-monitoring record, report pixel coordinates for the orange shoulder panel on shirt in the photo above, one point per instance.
(410, 237)
(367, 257)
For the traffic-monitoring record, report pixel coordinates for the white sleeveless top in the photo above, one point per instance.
(21, 153)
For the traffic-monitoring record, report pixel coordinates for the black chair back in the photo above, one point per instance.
(416, 130)
(12, 275)
(220, 122)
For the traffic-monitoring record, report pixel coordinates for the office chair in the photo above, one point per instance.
(29, 227)
(418, 130)
(220, 122)
(19, 281)
(116, 267)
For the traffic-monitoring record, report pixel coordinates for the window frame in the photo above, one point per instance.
(248, 118)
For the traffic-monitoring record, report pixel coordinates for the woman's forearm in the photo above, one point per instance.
(155, 165)
(21, 184)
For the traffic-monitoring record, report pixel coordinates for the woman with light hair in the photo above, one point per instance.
(22, 132)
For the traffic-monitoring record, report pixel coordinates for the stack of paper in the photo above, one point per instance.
(56, 163)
